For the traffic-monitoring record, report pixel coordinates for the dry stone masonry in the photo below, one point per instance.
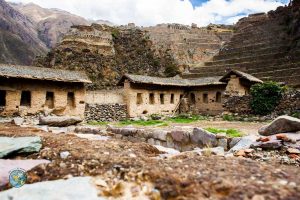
(105, 112)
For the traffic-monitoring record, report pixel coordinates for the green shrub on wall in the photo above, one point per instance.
(265, 97)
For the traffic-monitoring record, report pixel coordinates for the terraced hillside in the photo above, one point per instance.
(264, 45)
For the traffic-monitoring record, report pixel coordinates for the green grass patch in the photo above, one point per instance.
(229, 132)
(229, 118)
(95, 123)
(143, 123)
(184, 119)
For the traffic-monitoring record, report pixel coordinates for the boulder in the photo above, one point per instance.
(59, 121)
(159, 134)
(244, 143)
(282, 124)
(19, 145)
(223, 143)
(180, 136)
(7, 165)
(203, 138)
(71, 189)
(234, 141)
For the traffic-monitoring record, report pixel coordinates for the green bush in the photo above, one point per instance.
(265, 97)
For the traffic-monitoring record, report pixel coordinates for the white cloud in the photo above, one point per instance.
(151, 12)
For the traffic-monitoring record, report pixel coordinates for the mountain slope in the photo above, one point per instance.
(50, 24)
(20, 42)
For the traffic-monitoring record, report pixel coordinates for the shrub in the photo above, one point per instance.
(228, 118)
(265, 97)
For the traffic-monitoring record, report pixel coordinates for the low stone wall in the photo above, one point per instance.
(105, 112)
(182, 139)
(289, 104)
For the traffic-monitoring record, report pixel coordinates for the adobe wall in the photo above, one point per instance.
(235, 87)
(210, 106)
(145, 107)
(114, 96)
(38, 90)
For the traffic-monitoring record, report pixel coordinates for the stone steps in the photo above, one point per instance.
(254, 46)
(246, 59)
(246, 53)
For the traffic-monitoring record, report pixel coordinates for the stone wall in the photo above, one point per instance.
(105, 112)
(114, 96)
(289, 104)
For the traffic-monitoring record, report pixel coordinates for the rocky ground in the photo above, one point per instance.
(188, 175)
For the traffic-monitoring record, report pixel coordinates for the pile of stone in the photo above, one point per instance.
(282, 137)
(105, 112)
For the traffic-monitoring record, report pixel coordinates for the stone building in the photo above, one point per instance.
(30, 90)
(145, 95)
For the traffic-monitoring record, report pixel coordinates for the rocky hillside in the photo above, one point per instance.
(106, 53)
(19, 41)
(265, 45)
(189, 45)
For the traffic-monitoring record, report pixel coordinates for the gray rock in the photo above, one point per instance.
(64, 154)
(244, 143)
(18, 121)
(7, 165)
(59, 121)
(282, 124)
(19, 145)
(88, 129)
(180, 136)
(128, 131)
(234, 141)
(203, 138)
(72, 189)
(159, 134)
(219, 151)
(270, 145)
(223, 143)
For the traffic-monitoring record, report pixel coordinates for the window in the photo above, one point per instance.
(162, 98)
(25, 98)
(49, 100)
(193, 98)
(205, 98)
(172, 99)
(71, 99)
(2, 98)
(139, 98)
(151, 98)
(218, 97)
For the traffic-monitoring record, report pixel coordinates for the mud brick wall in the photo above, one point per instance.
(105, 112)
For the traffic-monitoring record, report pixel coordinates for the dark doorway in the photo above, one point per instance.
(50, 99)
(71, 99)
(2, 98)
(25, 98)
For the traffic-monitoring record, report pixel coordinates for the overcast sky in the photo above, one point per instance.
(151, 12)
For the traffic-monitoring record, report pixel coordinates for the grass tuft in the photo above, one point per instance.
(187, 118)
(229, 132)
(143, 123)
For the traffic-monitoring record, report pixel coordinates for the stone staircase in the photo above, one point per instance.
(261, 46)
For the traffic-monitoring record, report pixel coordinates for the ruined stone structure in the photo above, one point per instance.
(31, 90)
(265, 45)
(188, 45)
(146, 95)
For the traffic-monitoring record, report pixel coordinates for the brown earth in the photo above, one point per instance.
(185, 176)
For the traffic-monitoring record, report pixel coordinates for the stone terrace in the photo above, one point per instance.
(260, 46)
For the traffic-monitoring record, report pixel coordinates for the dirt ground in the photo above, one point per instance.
(185, 176)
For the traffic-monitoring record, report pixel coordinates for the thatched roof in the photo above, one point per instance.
(174, 81)
(240, 74)
(29, 72)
